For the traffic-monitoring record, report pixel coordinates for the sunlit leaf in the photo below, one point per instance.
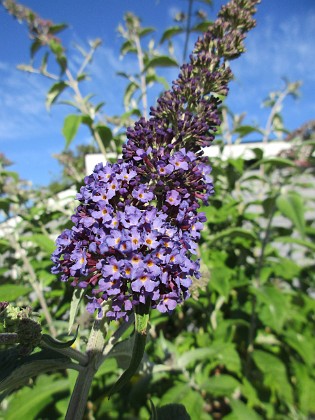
(127, 47)
(10, 292)
(54, 29)
(304, 387)
(43, 241)
(54, 92)
(77, 296)
(272, 367)
(273, 306)
(161, 61)
(56, 47)
(244, 130)
(276, 162)
(291, 206)
(221, 385)
(201, 27)
(28, 402)
(241, 411)
(192, 400)
(232, 233)
(145, 31)
(290, 240)
(70, 127)
(36, 44)
(129, 92)
(170, 32)
(301, 345)
(105, 134)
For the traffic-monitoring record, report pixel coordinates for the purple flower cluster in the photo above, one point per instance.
(136, 230)
(125, 249)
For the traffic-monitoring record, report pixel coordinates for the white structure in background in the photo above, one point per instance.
(59, 202)
(62, 199)
(272, 148)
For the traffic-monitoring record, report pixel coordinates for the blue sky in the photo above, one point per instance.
(282, 45)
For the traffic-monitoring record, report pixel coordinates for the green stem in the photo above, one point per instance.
(143, 83)
(84, 109)
(188, 28)
(142, 314)
(84, 380)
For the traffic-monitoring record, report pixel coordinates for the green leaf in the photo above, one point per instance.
(192, 399)
(151, 78)
(233, 233)
(36, 44)
(290, 240)
(57, 344)
(171, 412)
(74, 307)
(105, 134)
(127, 47)
(195, 355)
(305, 386)
(302, 345)
(129, 92)
(145, 31)
(161, 61)
(224, 353)
(201, 27)
(220, 279)
(273, 306)
(16, 370)
(241, 411)
(62, 61)
(170, 32)
(43, 65)
(221, 385)
(276, 162)
(54, 92)
(44, 242)
(99, 106)
(10, 292)
(154, 415)
(70, 127)
(5, 205)
(274, 374)
(291, 206)
(28, 402)
(122, 351)
(54, 29)
(56, 47)
(244, 130)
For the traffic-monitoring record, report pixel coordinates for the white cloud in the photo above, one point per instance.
(276, 49)
(281, 50)
(22, 99)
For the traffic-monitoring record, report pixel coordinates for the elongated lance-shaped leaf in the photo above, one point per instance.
(56, 344)
(142, 315)
(74, 307)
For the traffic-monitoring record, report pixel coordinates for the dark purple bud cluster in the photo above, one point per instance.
(136, 230)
